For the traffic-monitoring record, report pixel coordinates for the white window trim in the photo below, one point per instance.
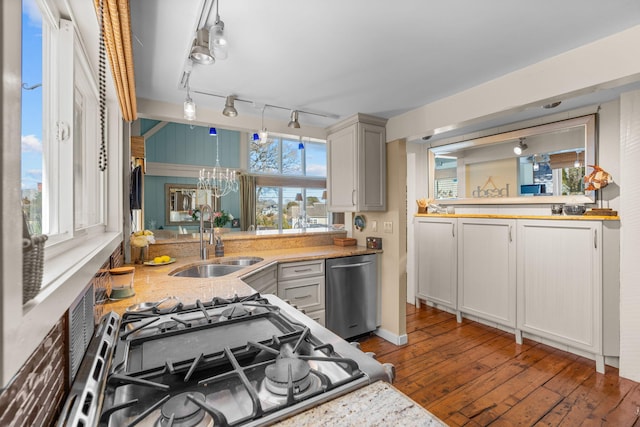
(23, 327)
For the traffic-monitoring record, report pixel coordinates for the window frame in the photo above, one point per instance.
(68, 271)
(282, 181)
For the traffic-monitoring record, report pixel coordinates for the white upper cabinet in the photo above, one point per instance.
(356, 165)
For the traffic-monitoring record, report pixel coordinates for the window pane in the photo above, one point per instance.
(293, 212)
(263, 158)
(267, 211)
(315, 208)
(316, 158)
(291, 157)
(32, 113)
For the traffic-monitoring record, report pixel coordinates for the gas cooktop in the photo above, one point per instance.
(241, 362)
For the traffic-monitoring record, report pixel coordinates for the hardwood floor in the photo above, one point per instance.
(474, 375)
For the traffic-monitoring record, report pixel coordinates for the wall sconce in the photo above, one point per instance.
(518, 149)
(229, 107)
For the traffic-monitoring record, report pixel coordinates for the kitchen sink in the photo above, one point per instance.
(217, 268)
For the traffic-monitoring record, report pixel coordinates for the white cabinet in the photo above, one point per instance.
(264, 280)
(356, 165)
(302, 284)
(437, 261)
(487, 269)
(560, 283)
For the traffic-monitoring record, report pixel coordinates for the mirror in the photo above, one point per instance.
(182, 201)
(540, 164)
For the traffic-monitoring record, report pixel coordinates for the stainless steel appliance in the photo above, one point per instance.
(241, 362)
(352, 295)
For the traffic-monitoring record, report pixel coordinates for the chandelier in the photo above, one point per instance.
(219, 181)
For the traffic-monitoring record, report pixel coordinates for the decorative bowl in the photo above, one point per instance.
(574, 209)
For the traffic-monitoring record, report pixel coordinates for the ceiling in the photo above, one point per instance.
(337, 57)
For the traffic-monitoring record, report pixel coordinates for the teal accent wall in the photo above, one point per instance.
(181, 144)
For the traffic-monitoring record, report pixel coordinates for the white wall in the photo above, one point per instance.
(630, 235)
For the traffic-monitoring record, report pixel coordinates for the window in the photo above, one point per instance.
(63, 191)
(291, 183)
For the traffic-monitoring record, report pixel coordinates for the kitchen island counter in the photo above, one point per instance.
(378, 404)
(153, 283)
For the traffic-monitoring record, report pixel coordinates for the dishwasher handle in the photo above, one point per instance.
(358, 264)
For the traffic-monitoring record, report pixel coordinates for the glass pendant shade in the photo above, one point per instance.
(189, 109)
(218, 42)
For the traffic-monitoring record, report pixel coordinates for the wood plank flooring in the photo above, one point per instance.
(469, 374)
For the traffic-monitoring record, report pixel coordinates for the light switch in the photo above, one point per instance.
(388, 227)
(374, 226)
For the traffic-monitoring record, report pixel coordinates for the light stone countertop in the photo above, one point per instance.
(376, 405)
(153, 283)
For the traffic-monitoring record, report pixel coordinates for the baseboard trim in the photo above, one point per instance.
(391, 337)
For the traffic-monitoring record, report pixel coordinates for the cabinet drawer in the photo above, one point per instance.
(297, 270)
(306, 294)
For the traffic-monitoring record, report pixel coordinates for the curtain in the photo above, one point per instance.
(247, 201)
(117, 39)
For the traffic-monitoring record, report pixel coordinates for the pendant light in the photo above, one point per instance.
(217, 41)
(264, 135)
(189, 108)
(577, 163)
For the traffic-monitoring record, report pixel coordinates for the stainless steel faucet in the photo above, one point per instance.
(204, 251)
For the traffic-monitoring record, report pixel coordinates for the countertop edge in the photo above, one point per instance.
(375, 405)
(545, 217)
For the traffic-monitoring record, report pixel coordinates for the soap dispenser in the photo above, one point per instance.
(219, 249)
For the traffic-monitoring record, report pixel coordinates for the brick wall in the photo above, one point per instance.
(37, 392)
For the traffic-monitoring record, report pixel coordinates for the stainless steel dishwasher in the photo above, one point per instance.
(352, 295)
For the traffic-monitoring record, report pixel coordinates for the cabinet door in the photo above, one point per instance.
(560, 282)
(487, 269)
(372, 165)
(342, 170)
(437, 260)
(264, 281)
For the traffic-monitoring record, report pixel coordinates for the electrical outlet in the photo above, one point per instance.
(374, 226)
(388, 227)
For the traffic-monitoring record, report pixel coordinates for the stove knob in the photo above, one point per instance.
(390, 371)
(356, 344)
(371, 354)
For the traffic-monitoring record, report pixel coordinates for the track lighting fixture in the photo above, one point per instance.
(217, 41)
(293, 123)
(200, 52)
(189, 105)
(229, 108)
(518, 149)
